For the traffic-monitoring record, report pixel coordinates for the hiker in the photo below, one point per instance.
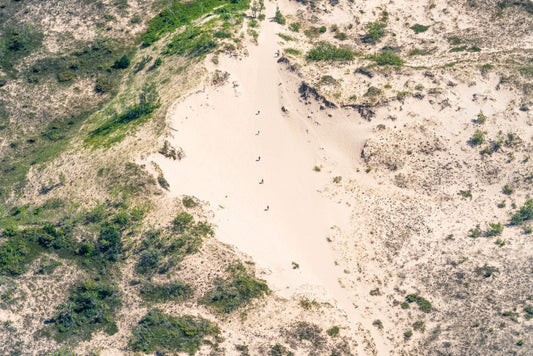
(257, 133)
(267, 208)
(258, 159)
(262, 181)
(258, 112)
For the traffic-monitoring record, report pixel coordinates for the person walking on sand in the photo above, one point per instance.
(258, 159)
(258, 112)
(257, 133)
(267, 208)
(262, 181)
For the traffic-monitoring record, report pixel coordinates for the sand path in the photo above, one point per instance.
(223, 136)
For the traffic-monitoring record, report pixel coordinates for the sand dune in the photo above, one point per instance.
(224, 131)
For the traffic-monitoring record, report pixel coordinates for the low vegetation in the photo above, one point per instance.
(158, 333)
(325, 51)
(423, 303)
(90, 307)
(235, 291)
(159, 293)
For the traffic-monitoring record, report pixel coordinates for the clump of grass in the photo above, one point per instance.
(308, 304)
(419, 28)
(325, 51)
(235, 291)
(477, 138)
(295, 26)
(285, 37)
(161, 333)
(481, 118)
(495, 229)
(507, 189)
(475, 232)
(423, 304)
(387, 58)
(279, 18)
(152, 292)
(292, 51)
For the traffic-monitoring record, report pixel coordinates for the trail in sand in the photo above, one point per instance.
(254, 164)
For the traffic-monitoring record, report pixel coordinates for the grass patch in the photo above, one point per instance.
(286, 37)
(181, 13)
(139, 112)
(325, 51)
(193, 42)
(236, 291)
(292, 51)
(386, 58)
(159, 293)
(162, 333)
(376, 30)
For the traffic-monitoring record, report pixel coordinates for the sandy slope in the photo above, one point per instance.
(223, 137)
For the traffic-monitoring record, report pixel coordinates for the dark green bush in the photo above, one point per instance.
(235, 291)
(333, 331)
(327, 52)
(376, 30)
(419, 28)
(122, 63)
(524, 214)
(90, 307)
(295, 26)
(423, 304)
(477, 138)
(161, 333)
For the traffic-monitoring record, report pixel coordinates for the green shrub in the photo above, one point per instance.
(387, 58)
(378, 323)
(524, 214)
(465, 193)
(158, 62)
(376, 30)
(122, 63)
(495, 229)
(161, 333)
(475, 232)
(333, 331)
(279, 18)
(152, 292)
(477, 138)
(419, 28)
(236, 291)
(408, 334)
(507, 189)
(423, 304)
(65, 76)
(295, 26)
(90, 307)
(327, 52)
(481, 118)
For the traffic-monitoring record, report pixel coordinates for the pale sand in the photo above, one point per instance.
(217, 130)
